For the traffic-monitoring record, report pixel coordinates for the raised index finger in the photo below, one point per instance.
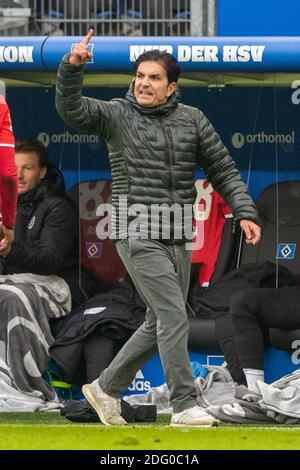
(87, 38)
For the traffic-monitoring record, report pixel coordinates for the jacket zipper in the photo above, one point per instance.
(170, 155)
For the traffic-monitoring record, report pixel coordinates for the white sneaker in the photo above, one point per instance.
(195, 416)
(107, 407)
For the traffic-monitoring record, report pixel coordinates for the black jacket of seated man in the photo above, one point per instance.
(46, 234)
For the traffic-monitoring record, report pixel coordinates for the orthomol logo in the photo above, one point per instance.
(67, 138)
(238, 139)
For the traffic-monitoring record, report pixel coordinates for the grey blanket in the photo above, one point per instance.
(278, 402)
(27, 303)
(216, 388)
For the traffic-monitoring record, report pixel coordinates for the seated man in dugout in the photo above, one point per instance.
(39, 279)
(243, 335)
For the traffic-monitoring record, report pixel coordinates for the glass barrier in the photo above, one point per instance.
(256, 116)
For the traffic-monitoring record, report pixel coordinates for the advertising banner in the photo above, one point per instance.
(195, 54)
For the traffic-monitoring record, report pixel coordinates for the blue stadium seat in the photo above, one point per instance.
(182, 14)
(56, 14)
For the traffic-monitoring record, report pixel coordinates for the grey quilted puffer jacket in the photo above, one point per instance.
(153, 154)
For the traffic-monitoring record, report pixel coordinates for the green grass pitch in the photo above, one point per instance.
(49, 431)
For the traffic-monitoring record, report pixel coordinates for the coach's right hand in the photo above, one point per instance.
(81, 54)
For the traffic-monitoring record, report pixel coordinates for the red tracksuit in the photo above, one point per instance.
(8, 171)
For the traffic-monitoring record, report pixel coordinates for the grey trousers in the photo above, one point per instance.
(161, 274)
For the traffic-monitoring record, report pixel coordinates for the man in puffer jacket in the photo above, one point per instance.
(154, 143)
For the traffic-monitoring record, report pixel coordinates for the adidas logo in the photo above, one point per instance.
(139, 384)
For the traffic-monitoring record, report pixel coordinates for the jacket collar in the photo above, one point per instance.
(162, 109)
